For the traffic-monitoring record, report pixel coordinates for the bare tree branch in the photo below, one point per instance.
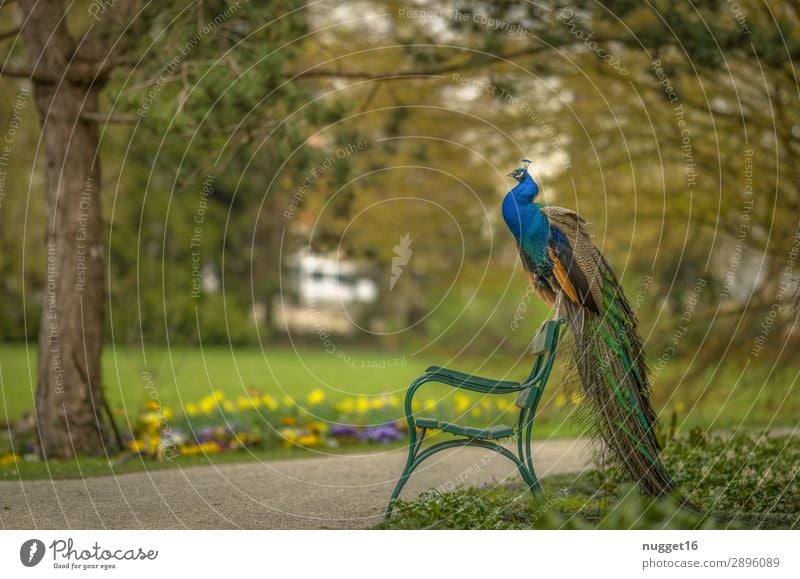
(110, 119)
(447, 68)
(24, 72)
(10, 33)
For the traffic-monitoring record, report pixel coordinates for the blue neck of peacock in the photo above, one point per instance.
(527, 224)
(525, 191)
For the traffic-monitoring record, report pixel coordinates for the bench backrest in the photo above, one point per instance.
(543, 347)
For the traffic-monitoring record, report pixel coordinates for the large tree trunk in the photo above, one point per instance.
(69, 401)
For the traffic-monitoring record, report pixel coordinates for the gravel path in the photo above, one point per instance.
(333, 492)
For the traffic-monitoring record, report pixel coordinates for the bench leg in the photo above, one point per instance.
(526, 458)
(414, 444)
(415, 459)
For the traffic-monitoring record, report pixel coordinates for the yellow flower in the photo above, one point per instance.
(228, 406)
(218, 395)
(502, 404)
(288, 420)
(208, 404)
(152, 405)
(316, 397)
(462, 402)
(167, 413)
(269, 402)
(210, 447)
(394, 401)
(430, 404)
(136, 445)
(317, 427)
(10, 458)
(376, 403)
(476, 411)
(346, 405)
(309, 440)
(243, 403)
(240, 439)
(191, 409)
(560, 399)
(362, 405)
(188, 449)
(289, 435)
(679, 405)
(151, 419)
(288, 401)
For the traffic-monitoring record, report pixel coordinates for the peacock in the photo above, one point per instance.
(572, 276)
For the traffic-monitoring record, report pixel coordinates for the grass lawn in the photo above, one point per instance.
(184, 374)
(716, 399)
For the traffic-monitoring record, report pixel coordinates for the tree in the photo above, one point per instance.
(75, 58)
(693, 153)
(67, 78)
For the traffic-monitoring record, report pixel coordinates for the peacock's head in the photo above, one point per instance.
(522, 172)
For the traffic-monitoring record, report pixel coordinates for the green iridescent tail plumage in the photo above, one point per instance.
(609, 358)
(569, 271)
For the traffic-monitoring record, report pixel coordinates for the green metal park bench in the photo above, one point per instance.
(529, 392)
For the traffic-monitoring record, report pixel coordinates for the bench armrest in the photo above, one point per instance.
(472, 382)
(460, 380)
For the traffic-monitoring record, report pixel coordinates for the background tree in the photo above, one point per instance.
(92, 54)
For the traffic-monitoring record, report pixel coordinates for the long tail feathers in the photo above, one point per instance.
(609, 358)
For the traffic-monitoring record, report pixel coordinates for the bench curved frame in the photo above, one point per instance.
(544, 348)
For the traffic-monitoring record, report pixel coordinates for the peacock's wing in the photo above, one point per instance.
(576, 261)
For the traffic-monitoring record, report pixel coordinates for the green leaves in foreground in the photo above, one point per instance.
(744, 473)
(743, 481)
(505, 509)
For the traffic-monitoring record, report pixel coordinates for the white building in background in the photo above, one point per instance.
(323, 279)
(321, 291)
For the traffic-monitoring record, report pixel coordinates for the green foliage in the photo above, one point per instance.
(749, 472)
(742, 481)
(459, 509)
(506, 509)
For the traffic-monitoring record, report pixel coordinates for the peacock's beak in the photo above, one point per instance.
(510, 174)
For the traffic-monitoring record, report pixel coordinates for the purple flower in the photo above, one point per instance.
(344, 430)
(383, 433)
(206, 434)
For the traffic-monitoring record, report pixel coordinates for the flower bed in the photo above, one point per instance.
(216, 423)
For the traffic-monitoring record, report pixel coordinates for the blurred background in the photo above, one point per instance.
(293, 208)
